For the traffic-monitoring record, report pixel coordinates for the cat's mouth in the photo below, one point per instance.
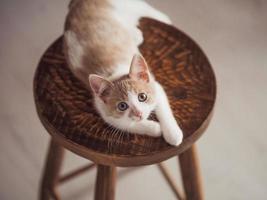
(137, 118)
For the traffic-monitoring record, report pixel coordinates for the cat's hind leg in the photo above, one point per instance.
(129, 12)
(136, 9)
(149, 11)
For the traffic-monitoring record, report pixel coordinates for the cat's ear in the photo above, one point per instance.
(98, 84)
(139, 69)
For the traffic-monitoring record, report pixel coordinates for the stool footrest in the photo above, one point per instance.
(74, 173)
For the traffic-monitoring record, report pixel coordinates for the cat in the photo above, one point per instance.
(101, 42)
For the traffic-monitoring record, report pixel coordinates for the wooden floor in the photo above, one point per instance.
(233, 152)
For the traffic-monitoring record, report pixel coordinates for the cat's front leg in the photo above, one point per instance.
(171, 131)
(146, 127)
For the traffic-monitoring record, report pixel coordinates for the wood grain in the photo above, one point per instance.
(66, 109)
(190, 172)
(105, 183)
(50, 179)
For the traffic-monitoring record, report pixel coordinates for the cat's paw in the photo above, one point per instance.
(173, 134)
(153, 129)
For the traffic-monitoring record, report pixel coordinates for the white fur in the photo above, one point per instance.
(75, 49)
(128, 13)
(141, 106)
(171, 131)
(125, 123)
(167, 123)
(121, 69)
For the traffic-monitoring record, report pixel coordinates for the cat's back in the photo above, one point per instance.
(103, 42)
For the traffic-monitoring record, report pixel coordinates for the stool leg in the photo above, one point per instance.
(191, 174)
(51, 172)
(105, 183)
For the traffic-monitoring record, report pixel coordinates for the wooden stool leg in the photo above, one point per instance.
(105, 183)
(51, 172)
(191, 174)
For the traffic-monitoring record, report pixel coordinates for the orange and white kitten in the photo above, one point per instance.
(101, 41)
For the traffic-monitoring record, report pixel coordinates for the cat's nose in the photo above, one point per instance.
(137, 114)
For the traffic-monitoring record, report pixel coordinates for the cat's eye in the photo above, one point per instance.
(142, 97)
(122, 106)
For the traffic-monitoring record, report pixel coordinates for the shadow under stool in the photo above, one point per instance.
(65, 108)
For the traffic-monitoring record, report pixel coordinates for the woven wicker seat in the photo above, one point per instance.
(66, 110)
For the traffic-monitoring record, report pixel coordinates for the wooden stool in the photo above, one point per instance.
(66, 110)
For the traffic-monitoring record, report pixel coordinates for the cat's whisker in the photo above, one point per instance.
(120, 136)
(106, 134)
(110, 135)
(116, 135)
(111, 138)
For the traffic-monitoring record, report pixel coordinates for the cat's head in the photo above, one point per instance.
(130, 98)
